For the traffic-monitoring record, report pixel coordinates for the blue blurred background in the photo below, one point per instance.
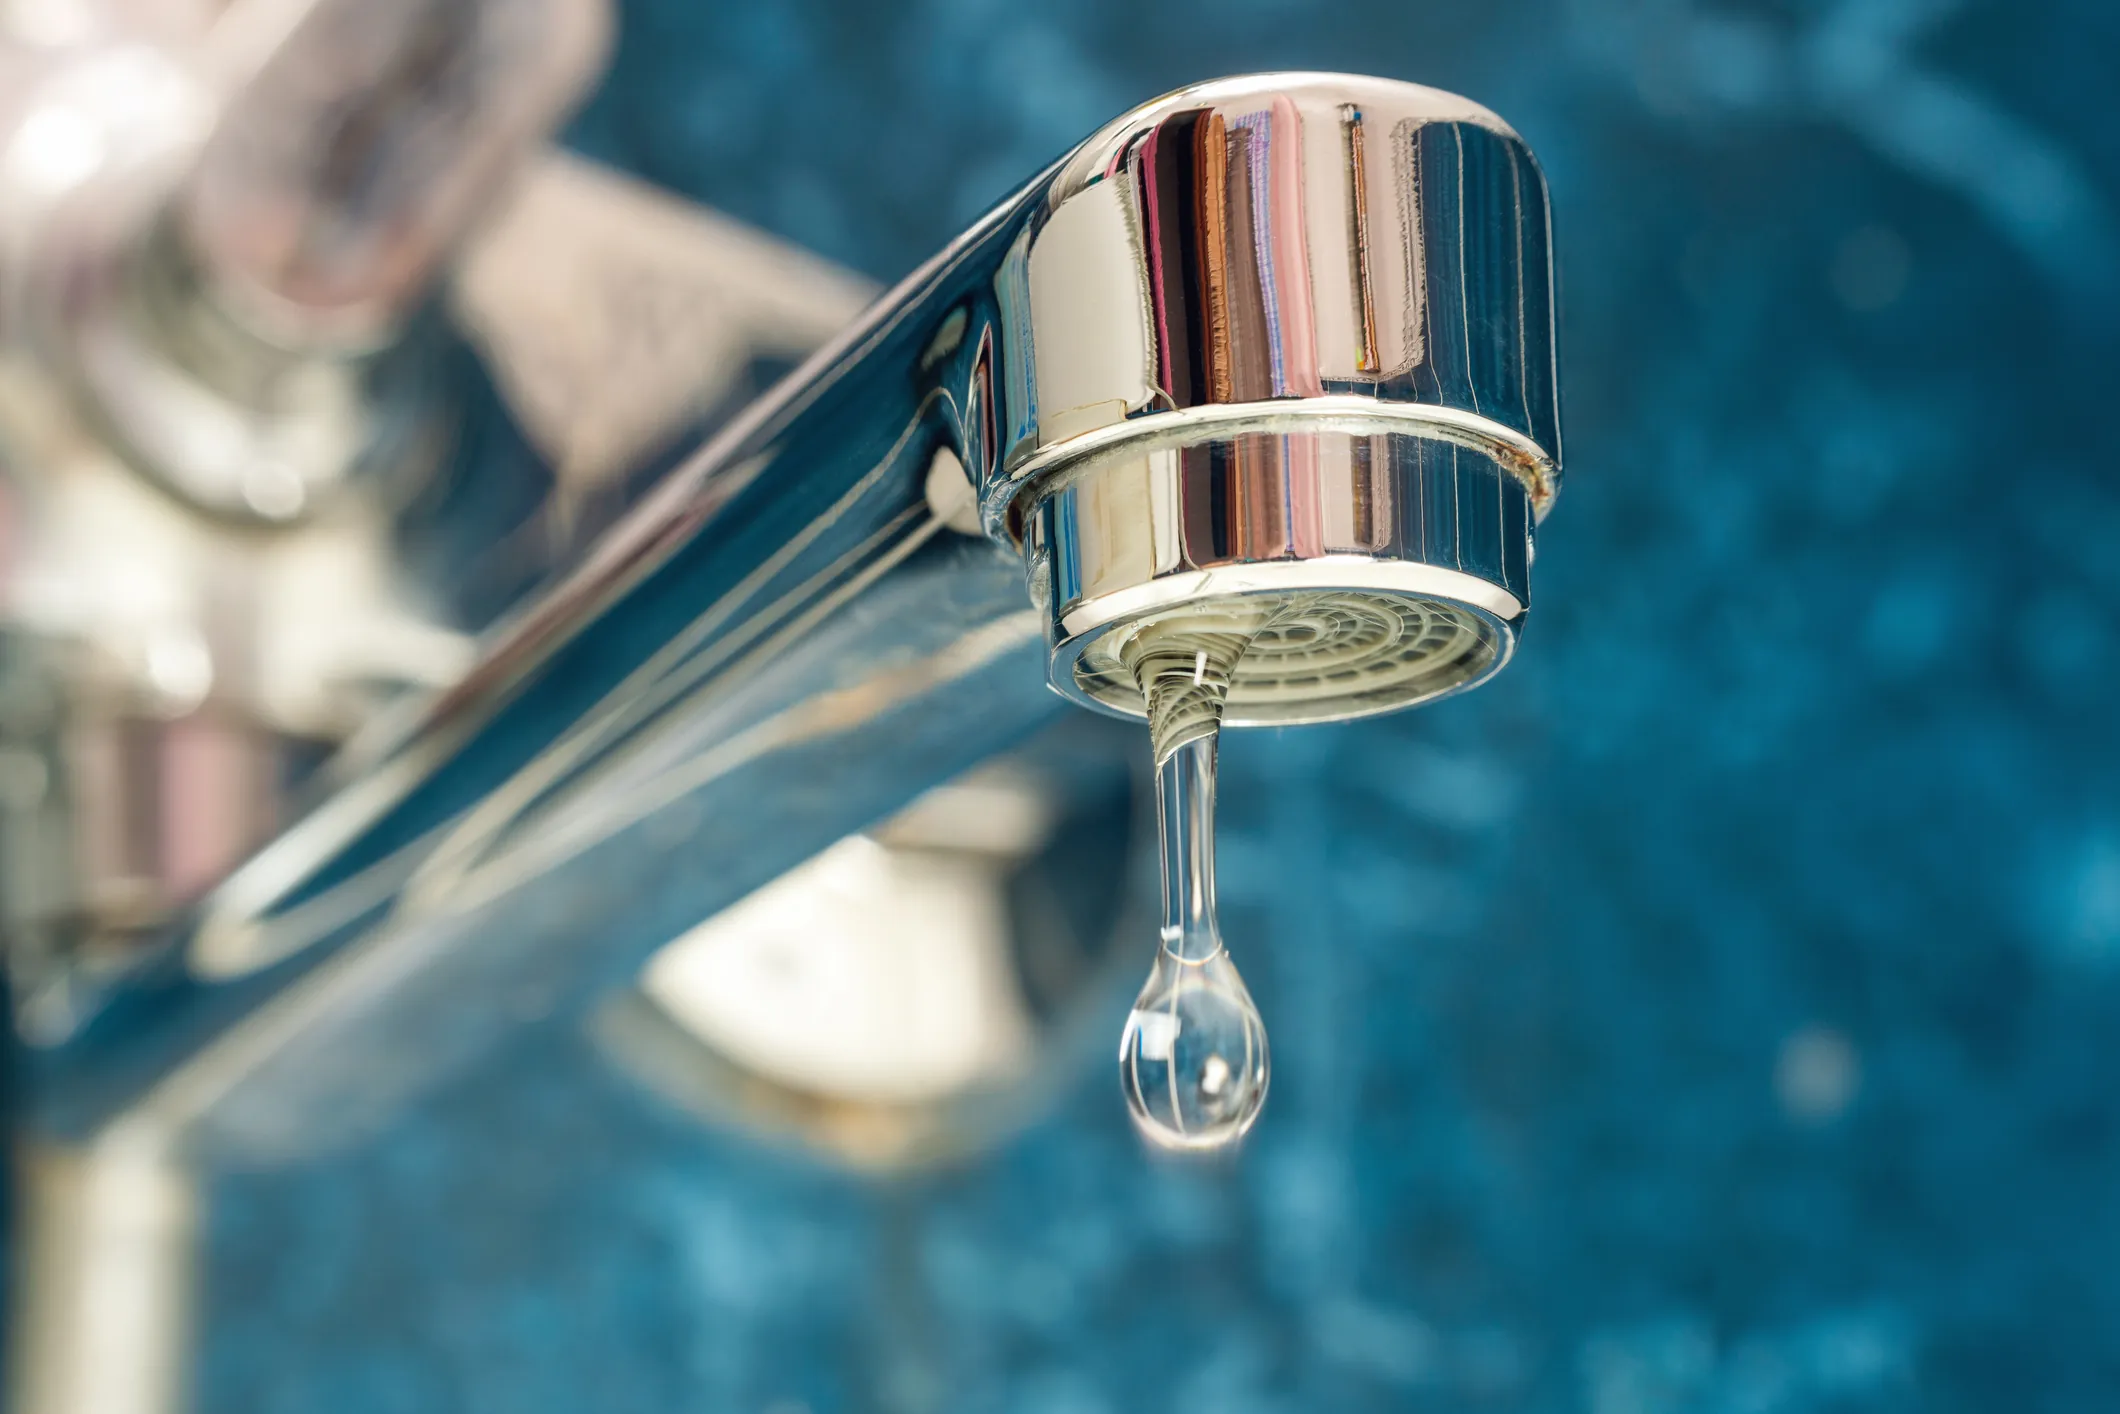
(1720, 1013)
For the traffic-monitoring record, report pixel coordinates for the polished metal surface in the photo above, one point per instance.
(113, 803)
(218, 228)
(1411, 557)
(1279, 247)
(1283, 335)
(788, 638)
(205, 508)
(1287, 336)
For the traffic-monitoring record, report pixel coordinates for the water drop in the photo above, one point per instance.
(1193, 1060)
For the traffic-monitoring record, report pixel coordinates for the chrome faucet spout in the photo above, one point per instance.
(1266, 336)
(1274, 353)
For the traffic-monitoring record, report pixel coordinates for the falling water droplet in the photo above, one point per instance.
(1193, 1059)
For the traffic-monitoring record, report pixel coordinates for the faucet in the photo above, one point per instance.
(1287, 335)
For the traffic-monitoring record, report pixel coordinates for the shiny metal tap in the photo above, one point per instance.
(1272, 334)
(1281, 335)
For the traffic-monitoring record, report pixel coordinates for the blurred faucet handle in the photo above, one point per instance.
(218, 244)
(370, 139)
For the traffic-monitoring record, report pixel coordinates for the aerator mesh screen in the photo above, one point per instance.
(1315, 655)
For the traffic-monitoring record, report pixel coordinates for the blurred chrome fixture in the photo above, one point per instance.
(220, 228)
(222, 231)
(1282, 334)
